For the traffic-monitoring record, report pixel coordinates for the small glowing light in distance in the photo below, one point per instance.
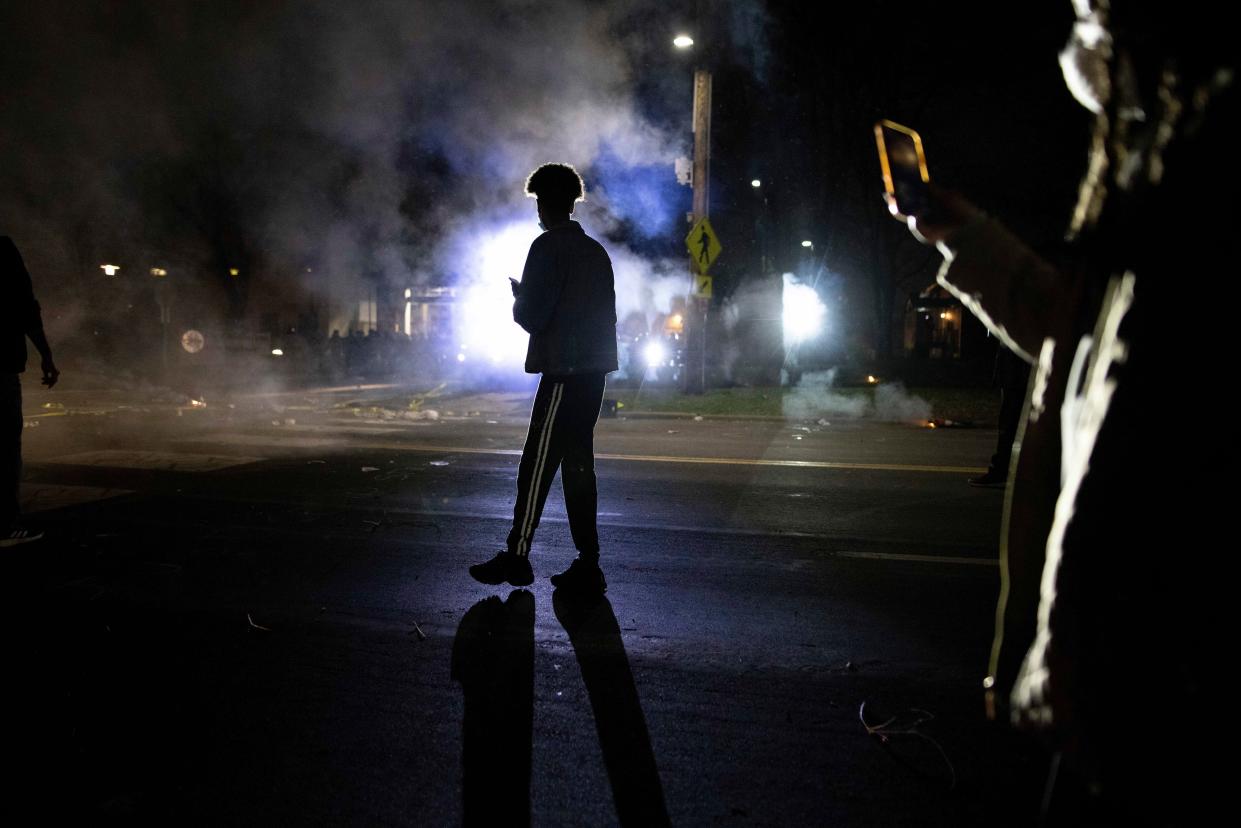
(943, 316)
(460, 357)
(871, 379)
(192, 341)
(653, 353)
(807, 243)
(754, 182)
(682, 41)
(110, 270)
(277, 352)
(158, 272)
(409, 293)
(232, 271)
(804, 313)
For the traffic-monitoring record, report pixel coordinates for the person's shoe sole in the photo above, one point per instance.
(23, 536)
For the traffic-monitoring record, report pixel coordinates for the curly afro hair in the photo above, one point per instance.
(556, 185)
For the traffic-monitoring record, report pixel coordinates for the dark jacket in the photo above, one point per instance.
(567, 301)
(19, 312)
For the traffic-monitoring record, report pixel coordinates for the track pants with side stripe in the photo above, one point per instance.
(562, 435)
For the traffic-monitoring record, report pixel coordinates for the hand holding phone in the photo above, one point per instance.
(903, 163)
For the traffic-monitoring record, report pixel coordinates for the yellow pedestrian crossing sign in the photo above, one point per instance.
(702, 286)
(704, 246)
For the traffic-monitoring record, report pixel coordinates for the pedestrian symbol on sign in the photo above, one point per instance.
(703, 245)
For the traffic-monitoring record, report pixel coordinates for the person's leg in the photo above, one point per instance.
(539, 460)
(10, 449)
(577, 470)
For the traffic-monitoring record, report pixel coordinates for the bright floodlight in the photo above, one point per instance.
(277, 352)
(755, 183)
(490, 254)
(653, 353)
(807, 243)
(682, 41)
(109, 269)
(804, 312)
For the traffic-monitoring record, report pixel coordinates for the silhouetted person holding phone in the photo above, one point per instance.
(1104, 635)
(566, 300)
(19, 318)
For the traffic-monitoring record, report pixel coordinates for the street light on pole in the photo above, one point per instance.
(163, 298)
(693, 380)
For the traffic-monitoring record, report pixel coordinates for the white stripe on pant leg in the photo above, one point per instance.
(540, 463)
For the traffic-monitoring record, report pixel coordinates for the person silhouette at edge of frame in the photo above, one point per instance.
(20, 318)
(566, 300)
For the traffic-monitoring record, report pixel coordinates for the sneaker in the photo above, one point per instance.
(992, 479)
(505, 566)
(18, 535)
(581, 576)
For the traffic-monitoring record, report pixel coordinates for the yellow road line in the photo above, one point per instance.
(661, 458)
(935, 559)
(796, 464)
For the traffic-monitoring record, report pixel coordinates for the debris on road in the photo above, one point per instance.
(421, 635)
(439, 462)
(698, 418)
(907, 723)
(940, 422)
(257, 627)
(370, 468)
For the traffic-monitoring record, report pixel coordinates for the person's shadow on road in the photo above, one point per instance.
(493, 659)
(623, 736)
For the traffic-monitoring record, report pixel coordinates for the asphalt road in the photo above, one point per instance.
(257, 611)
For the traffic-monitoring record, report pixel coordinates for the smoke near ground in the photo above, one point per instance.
(816, 397)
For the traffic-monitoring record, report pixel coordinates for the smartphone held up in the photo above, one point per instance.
(903, 163)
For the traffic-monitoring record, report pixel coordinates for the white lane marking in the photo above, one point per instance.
(42, 497)
(162, 460)
(938, 559)
(293, 442)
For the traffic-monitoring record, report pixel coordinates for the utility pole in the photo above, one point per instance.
(693, 380)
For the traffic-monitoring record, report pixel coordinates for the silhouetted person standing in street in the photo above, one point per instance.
(566, 300)
(19, 318)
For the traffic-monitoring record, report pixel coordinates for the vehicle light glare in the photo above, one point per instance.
(804, 313)
(277, 352)
(653, 353)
